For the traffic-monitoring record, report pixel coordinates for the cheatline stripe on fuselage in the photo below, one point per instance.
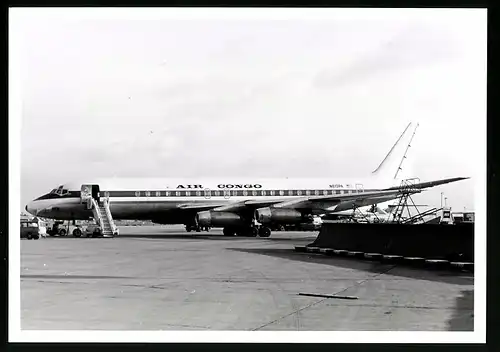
(213, 193)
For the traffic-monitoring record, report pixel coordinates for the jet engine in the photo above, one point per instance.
(273, 215)
(218, 218)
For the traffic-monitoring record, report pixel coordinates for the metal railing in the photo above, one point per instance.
(97, 215)
(109, 216)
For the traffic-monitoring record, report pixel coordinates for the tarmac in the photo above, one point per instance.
(163, 278)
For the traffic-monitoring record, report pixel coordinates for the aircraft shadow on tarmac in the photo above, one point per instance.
(82, 277)
(449, 277)
(216, 237)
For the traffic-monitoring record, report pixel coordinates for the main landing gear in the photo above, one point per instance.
(264, 231)
(247, 231)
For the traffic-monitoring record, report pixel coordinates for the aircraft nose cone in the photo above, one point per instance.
(30, 208)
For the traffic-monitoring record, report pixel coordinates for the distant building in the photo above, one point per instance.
(459, 217)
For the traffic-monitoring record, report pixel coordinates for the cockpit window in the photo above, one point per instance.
(60, 191)
(53, 191)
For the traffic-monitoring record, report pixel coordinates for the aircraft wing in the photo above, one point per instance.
(322, 202)
(347, 201)
(430, 184)
(337, 202)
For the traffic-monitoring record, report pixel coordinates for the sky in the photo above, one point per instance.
(254, 97)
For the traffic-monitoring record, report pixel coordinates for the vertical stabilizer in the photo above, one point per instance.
(389, 172)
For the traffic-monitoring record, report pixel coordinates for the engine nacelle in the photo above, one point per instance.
(218, 218)
(274, 215)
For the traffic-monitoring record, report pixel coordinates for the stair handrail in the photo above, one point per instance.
(110, 217)
(95, 208)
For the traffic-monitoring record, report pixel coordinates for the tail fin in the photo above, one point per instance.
(389, 170)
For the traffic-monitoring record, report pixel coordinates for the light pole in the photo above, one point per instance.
(445, 203)
(442, 199)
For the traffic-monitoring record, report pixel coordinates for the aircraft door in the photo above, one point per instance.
(95, 192)
(87, 192)
(86, 195)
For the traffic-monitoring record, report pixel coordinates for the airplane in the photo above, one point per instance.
(242, 207)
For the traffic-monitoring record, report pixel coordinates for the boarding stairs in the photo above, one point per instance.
(103, 217)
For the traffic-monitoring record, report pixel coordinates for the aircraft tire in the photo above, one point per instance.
(28, 236)
(264, 231)
(77, 233)
(62, 232)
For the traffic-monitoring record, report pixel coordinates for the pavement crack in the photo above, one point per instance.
(324, 299)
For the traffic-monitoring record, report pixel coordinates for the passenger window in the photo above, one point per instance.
(272, 193)
(245, 193)
(148, 193)
(254, 193)
(198, 193)
(282, 193)
(167, 194)
(308, 193)
(262, 193)
(158, 193)
(188, 193)
(290, 193)
(177, 193)
(137, 193)
(325, 192)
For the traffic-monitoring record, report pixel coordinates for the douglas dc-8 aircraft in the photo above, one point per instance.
(234, 204)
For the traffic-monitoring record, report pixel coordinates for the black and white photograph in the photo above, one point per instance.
(247, 175)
